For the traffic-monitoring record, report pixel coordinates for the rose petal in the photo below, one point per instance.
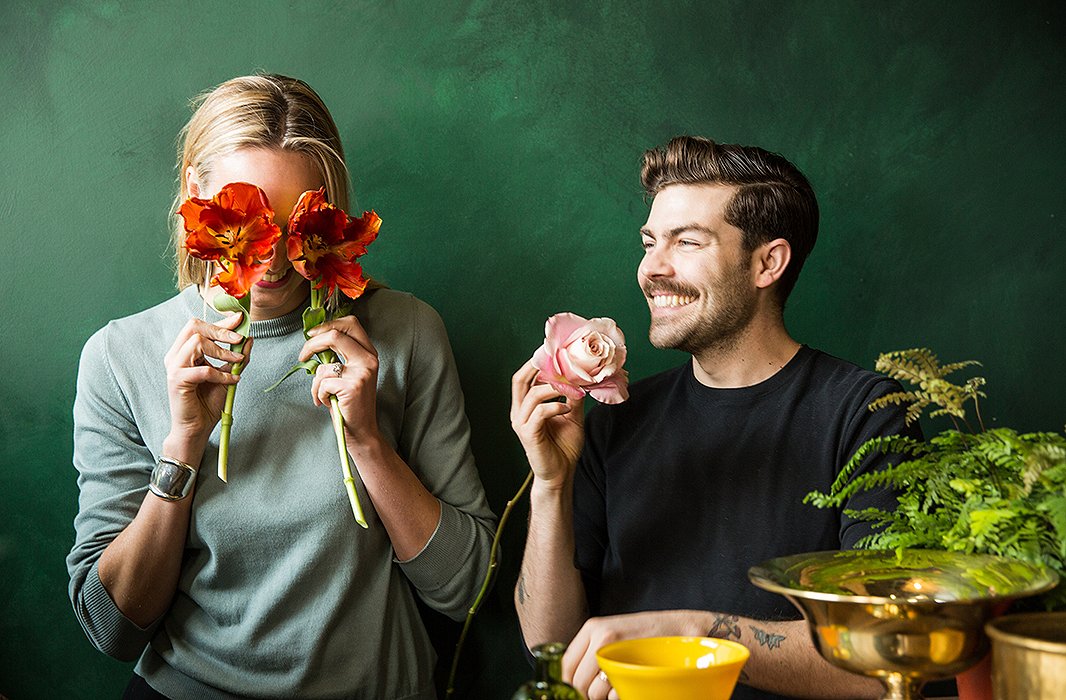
(542, 360)
(613, 390)
(568, 370)
(567, 390)
(559, 329)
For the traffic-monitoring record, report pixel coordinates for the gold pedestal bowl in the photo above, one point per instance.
(903, 619)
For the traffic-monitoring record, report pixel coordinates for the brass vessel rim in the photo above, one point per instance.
(1020, 640)
(762, 576)
(918, 600)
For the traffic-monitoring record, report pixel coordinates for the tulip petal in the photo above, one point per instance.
(235, 227)
(324, 242)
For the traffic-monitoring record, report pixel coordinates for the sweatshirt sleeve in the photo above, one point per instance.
(114, 467)
(435, 442)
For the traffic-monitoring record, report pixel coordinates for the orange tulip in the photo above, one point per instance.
(323, 243)
(236, 228)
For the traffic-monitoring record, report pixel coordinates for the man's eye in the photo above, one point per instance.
(688, 244)
(645, 243)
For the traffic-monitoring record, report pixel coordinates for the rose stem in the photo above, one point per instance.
(485, 583)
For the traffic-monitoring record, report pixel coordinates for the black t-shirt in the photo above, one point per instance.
(682, 488)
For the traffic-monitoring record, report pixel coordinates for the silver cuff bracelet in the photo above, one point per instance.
(171, 480)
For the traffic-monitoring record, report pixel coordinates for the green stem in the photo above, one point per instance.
(346, 467)
(977, 410)
(485, 584)
(329, 357)
(226, 419)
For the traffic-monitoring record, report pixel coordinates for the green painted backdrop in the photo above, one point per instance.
(500, 142)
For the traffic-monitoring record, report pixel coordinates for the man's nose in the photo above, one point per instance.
(656, 263)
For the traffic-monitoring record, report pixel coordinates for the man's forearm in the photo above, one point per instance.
(784, 660)
(549, 595)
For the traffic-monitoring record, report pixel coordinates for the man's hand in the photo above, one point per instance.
(552, 432)
(580, 667)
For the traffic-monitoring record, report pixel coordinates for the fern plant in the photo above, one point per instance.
(967, 489)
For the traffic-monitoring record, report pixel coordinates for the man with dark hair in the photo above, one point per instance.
(646, 517)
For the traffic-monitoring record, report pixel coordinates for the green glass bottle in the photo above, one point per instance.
(549, 684)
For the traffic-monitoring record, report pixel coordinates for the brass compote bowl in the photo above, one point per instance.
(903, 619)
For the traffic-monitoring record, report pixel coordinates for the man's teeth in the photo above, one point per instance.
(273, 276)
(662, 301)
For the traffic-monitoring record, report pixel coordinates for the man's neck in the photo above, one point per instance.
(757, 353)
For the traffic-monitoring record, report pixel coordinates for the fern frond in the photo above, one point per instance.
(920, 367)
(1054, 510)
(909, 366)
(887, 444)
(893, 399)
(956, 366)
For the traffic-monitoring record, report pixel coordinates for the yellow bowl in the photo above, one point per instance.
(680, 668)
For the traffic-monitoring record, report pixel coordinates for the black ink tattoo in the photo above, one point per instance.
(725, 627)
(522, 590)
(767, 639)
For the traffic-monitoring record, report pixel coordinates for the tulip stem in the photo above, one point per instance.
(318, 299)
(227, 415)
(485, 583)
(346, 467)
(226, 419)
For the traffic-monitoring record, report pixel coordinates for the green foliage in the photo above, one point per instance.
(982, 491)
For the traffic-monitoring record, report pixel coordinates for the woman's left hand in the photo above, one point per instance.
(353, 381)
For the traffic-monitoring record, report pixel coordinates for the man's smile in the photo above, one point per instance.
(669, 301)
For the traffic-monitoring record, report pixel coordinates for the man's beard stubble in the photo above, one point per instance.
(732, 307)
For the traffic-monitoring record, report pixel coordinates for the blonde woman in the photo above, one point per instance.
(265, 586)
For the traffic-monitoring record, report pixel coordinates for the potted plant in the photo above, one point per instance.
(968, 488)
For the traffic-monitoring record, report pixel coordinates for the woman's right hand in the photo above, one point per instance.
(551, 432)
(197, 390)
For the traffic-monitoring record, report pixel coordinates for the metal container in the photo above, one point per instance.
(900, 617)
(1029, 656)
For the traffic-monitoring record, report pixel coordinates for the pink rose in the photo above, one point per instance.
(582, 356)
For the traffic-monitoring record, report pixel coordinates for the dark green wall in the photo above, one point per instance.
(500, 142)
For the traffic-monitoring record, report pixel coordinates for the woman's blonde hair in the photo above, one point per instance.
(255, 111)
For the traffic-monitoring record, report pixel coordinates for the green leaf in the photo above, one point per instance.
(343, 309)
(313, 317)
(308, 366)
(983, 522)
(225, 303)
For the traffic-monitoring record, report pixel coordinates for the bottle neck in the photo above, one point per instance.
(549, 669)
(549, 662)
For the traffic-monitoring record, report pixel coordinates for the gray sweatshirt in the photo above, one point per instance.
(281, 593)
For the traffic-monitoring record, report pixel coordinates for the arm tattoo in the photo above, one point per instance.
(725, 627)
(767, 639)
(522, 590)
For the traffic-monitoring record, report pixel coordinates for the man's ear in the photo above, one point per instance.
(192, 182)
(769, 262)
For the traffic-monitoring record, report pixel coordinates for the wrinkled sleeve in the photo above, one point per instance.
(113, 467)
(865, 425)
(435, 442)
